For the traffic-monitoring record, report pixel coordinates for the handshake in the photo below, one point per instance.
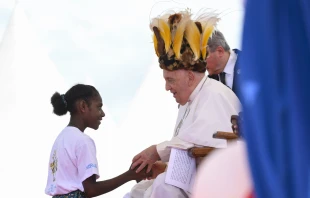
(146, 165)
(140, 175)
(157, 168)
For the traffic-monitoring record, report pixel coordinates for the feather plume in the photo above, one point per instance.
(192, 36)
(204, 41)
(155, 44)
(152, 24)
(174, 20)
(208, 27)
(164, 31)
(178, 36)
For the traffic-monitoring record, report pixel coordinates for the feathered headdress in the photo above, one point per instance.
(181, 42)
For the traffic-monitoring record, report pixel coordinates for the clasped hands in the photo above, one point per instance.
(148, 160)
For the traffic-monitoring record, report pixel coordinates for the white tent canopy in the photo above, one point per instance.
(28, 78)
(153, 112)
(151, 120)
(105, 145)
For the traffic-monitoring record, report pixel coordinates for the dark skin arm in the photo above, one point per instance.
(92, 188)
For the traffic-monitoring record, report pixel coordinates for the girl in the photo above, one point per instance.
(73, 168)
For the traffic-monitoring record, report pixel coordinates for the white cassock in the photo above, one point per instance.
(208, 110)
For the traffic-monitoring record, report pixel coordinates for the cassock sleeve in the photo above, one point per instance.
(164, 148)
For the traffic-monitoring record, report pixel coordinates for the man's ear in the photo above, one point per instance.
(191, 78)
(82, 106)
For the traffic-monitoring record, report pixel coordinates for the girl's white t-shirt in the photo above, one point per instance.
(72, 160)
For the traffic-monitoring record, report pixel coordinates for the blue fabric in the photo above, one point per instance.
(275, 94)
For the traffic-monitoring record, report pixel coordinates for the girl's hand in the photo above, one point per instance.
(158, 168)
(142, 175)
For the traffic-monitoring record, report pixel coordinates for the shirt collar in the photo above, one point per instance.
(197, 89)
(229, 68)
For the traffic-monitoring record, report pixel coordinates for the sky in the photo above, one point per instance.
(110, 47)
(109, 43)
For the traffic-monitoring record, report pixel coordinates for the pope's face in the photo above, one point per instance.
(177, 82)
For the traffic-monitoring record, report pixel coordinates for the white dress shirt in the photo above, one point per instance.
(229, 69)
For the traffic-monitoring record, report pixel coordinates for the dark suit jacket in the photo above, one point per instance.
(237, 73)
(235, 88)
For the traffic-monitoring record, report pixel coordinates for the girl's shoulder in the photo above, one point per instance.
(77, 137)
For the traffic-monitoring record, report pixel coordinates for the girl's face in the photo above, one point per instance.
(95, 113)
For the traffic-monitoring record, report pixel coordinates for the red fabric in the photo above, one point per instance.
(251, 195)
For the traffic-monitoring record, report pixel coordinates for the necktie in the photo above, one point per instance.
(219, 77)
(222, 78)
(214, 76)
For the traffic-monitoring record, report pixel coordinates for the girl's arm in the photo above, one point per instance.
(92, 188)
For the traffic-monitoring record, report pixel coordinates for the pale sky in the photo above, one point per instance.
(110, 46)
(109, 43)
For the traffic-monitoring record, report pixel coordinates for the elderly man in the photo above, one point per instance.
(222, 63)
(206, 105)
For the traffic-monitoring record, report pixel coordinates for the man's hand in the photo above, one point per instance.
(142, 175)
(146, 158)
(158, 168)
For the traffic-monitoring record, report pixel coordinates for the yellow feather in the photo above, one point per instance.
(178, 37)
(177, 42)
(155, 44)
(205, 37)
(208, 24)
(164, 29)
(192, 35)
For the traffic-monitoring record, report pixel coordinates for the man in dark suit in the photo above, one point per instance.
(222, 62)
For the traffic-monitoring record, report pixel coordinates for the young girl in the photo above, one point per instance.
(73, 167)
